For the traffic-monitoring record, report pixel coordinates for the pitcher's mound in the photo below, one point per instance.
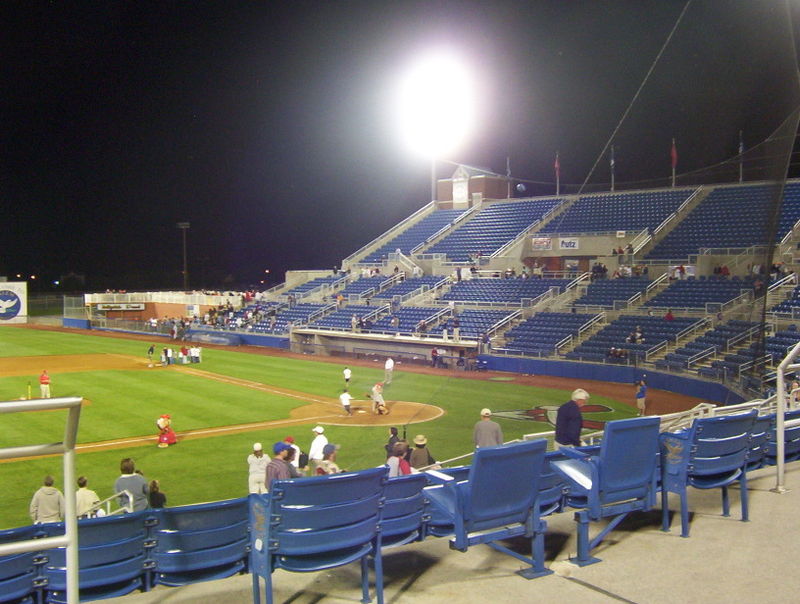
(400, 412)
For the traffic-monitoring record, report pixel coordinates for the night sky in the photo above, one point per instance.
(265, 125)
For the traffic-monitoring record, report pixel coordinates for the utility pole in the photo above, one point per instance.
(184, 226)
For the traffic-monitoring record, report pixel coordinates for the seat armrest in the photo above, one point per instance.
(574, 453)
(436, 477)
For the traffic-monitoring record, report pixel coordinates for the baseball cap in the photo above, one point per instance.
(280, 446)
(318, 429)
(328, 449)
(256, 446)
(485, 412)
(289, 439)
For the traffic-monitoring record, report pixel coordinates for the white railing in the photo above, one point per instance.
(448, 227)
(67, 449)
(519, 237)
(164, 298)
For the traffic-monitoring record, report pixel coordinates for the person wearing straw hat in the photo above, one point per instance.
(257, 462)
(420, 456)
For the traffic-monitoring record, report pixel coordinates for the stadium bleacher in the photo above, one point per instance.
(539, 334)
(502, 291)
(492, 227)
(696, 293)
(414, 235)
(621, 211)
(604, 292)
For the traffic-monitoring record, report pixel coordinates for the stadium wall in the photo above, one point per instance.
(707, 391)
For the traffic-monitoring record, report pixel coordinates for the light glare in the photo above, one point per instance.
(436, 105)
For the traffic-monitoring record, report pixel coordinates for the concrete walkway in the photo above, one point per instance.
(724, 560)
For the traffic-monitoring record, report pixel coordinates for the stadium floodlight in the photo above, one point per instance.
(435, 104)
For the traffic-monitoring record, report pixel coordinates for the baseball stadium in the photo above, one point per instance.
(663, 310)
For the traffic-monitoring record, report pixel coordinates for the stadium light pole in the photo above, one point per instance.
(435, 105)
(184, 226)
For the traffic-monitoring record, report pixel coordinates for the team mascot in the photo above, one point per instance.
(166, 435)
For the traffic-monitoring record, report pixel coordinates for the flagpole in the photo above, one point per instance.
(508, 177)
(741, 157)
(613, 165)
(557, 166)
(674, 159)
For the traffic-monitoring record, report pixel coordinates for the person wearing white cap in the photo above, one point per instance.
(315, 454)
(487, 433)
(258, 467)
(569, 421)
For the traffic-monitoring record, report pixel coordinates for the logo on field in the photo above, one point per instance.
(548, 413)
(10, 304)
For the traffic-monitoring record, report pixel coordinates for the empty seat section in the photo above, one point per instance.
(539, 334)
(502, 291)
(414, 235)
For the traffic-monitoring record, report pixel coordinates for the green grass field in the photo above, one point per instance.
(127, 403)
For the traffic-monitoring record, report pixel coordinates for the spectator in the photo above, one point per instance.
(569, 421)
(296, 460)
(278, 468)
(393, 438)
(133, 482)
(156, 497)
(669, 316)
(398, 465)
(420, 456)
(315, 451)
(47, 504)
(487, 433)
(85, 499)
(294, 471)
(328, 465)
(257, 465)
(641, 395)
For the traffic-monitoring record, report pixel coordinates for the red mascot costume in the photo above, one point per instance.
(166, 435)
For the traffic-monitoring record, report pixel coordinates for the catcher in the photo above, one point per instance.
(378, 404)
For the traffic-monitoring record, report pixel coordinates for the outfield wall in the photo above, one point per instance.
(621, 374)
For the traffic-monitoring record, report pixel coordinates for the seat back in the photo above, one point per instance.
(759, 437)
(503, 484)
(720, 444)
(404, 510)
(628, 457)
(323, 514)
(200, 542)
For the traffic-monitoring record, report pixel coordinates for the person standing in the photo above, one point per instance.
(487, 433)
(388, 370)
(85, 499)
(569, 421)
(156, 497)
(47, 504)
(150, 352)
(345, 399)
(420, 456)
(398, 465)
(257, 465)
(347, 373)
(393, 438)
(44, 384)
(294, 461)
(641, 395)
(315, 451)
(278, 467)
(132, 481)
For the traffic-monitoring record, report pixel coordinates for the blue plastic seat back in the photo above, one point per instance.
(404, 509)
(105, 530)
(326, 513)
(720, 444)
(503, 484)
(18, 586)
(202, 516)
(168, 542)
(759, 437)
(628, 456)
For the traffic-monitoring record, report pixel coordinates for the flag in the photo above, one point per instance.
(557, 166)
(741, 144)
(611, 161)
(673, 154)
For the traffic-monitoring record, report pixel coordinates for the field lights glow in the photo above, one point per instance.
(435, 105)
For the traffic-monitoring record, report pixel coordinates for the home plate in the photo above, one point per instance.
(361, 411)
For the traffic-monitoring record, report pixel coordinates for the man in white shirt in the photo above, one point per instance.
(388, 369)
(347, 373)
(315, 451)
(257, 463)
(345, 399)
